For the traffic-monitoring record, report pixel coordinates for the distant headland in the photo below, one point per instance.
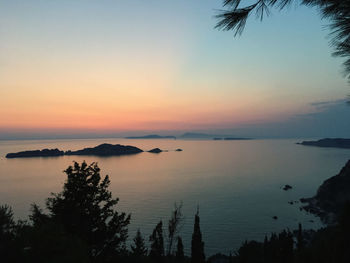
(331, 196)
(329, 143)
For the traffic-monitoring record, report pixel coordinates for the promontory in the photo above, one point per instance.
(329, 142)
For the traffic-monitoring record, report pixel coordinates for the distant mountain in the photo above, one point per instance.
(152, 136)
(236, 138)
(329, 142)
(194, 135)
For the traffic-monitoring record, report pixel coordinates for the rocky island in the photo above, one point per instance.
(36, 153)
(100, 150)
(287, 187)
(331, 196)
(106, 150)
(329, 142)
(155, 150)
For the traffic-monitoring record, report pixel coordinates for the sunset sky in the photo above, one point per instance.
(112, 66)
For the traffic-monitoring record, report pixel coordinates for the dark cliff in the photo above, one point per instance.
(331, 196)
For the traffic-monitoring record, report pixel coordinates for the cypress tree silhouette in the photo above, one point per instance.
(300, 246)
(139, 249)
(300, 239)
(180, 255)
(157, 245)
(266, 249)
(197, 248)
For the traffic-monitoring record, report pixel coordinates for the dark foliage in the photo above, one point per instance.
(139, 248)
(197, 248)
(328, 245)
(279, 248)
(7, 223)
(7, 227)
(157, 243)
(180, 255)
(300, 239)
(174, 225)
(85, 210)
(51, 243)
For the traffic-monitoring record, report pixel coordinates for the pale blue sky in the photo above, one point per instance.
(164, 56)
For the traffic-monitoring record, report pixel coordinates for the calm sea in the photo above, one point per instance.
(236, 184)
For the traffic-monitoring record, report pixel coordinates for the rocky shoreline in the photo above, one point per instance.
(331, 197)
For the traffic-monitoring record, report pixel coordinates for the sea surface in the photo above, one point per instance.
(237, 185)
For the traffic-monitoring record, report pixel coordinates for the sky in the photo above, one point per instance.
(109, 67)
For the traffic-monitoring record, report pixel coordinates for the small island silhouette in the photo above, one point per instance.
(103, 150)
(100, 150)
(36, 153)
(155, 150)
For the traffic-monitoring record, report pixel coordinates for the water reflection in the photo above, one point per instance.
(236, 183)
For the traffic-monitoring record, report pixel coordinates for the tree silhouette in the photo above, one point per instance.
(7, 227)
(286, 242)
(139, 249)
(300, 238)
(50, 242)
(85, 209)
(337, 11)
(251, 252)
(300, 246)
(174, 226)
(157, 243)
(180, 255)
(197, 248)
(7, 223)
